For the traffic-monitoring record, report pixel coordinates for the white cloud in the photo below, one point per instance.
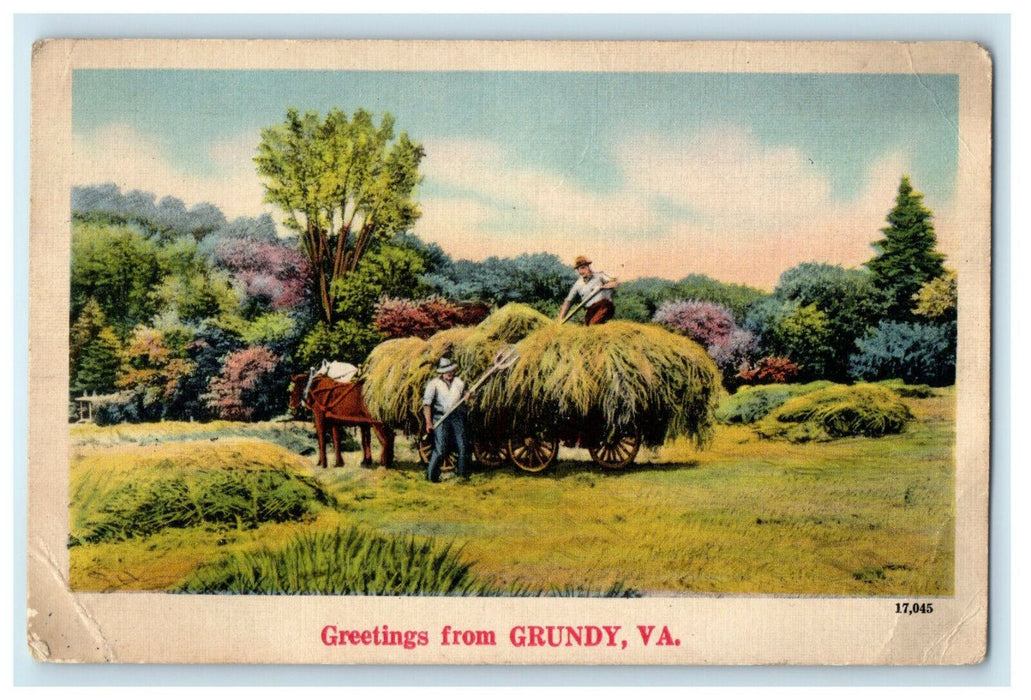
(755, 210)
(120, 155)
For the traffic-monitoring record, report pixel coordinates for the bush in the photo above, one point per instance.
(916, 353)
(704, 322)
(711, 325)
(112, 409)
(863, 410)
(251, 386)
(405, 318)
(274, 276)
(344, 341)
(770, 370)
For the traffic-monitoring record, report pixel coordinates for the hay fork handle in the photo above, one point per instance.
(503, 359)
(579, 306)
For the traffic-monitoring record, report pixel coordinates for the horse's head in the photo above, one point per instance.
(298, 386)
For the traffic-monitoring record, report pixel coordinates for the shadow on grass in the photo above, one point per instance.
(561, 469)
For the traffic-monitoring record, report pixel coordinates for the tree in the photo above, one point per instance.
(937, 300)
(847, 298)
(916, 353)
(251, 386)
(118, 267)
(343, 184)
(96, 354)
(906, 259)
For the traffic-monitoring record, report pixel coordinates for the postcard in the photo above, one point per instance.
(509, 352)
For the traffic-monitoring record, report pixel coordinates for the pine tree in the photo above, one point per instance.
(906, 259)
(98, 363)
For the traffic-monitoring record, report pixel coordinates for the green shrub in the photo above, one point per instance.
(751, 403)
(917, 353)
(838, 411)
(236, 497)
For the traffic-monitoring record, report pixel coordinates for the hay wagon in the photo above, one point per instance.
(612, 447)
(608, 389)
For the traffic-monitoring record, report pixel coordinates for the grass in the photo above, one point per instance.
(854, 516)
(357, 562)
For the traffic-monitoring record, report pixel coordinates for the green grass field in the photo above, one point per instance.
(866, 516)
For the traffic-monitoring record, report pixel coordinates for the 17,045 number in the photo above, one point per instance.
(914, 608)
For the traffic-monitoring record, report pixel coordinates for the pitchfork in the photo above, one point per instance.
(503, 359)
(579, 306)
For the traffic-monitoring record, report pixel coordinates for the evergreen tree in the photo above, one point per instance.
(98, 364)
(94, 351)
(906, 259)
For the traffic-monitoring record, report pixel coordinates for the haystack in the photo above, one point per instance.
(838, 411)
(397, 371)
(620, 374)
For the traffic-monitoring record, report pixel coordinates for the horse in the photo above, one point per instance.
(334, 404)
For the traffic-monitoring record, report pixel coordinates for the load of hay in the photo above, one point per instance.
(863, 410)
(620, 375)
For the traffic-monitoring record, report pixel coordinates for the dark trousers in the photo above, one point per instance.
(599, 312)
(449, 435)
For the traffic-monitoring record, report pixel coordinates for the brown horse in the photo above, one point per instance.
(335, 404)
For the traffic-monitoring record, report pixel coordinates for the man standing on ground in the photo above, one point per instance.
(442, 394)
(596, 288)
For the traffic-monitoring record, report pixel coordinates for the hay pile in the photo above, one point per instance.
(620, 374)
(863, 410)
(752, 403)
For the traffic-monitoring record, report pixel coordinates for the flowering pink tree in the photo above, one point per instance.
(711, 325)
(268, 270)
(704, 322)
(249, 387)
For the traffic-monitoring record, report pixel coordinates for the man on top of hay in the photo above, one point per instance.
(442, 394)
(596, 289)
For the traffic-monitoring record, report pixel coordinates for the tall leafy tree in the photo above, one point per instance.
(343, 183)
(847, 298)
(906, 258)
(118, 267)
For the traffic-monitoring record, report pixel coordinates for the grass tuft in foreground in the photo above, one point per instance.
(356, 562)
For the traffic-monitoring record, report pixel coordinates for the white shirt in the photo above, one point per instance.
(586, 289)
(440, 397)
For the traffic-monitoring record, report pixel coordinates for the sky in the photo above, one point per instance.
(736, 176)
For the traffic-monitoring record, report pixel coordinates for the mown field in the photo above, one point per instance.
(746, 515)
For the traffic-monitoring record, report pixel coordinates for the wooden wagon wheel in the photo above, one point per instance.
(533, 453)
(490, 453)
(617, 448)
(426, 450)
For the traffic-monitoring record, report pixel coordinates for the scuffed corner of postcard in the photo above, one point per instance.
(61, 626)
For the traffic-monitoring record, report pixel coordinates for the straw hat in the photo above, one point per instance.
(580, 262)
(446, 365)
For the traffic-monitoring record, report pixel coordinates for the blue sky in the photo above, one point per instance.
(738, 176)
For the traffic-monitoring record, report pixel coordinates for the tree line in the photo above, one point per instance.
(180, 313)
